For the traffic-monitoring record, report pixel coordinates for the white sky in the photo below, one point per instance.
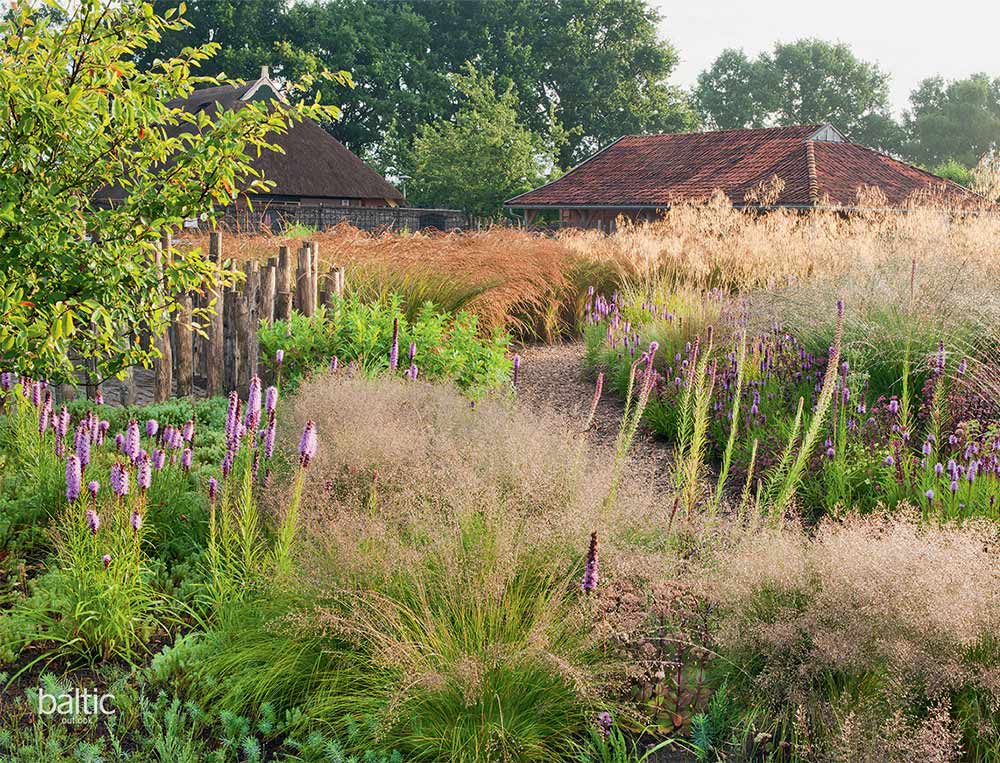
(909, 39)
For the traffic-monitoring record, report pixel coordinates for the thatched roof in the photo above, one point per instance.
(314, 164)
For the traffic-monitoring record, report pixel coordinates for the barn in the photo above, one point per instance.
(641, 176)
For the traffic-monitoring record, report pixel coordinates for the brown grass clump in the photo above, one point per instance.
(862, 623)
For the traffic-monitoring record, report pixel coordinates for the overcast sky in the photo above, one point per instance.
(910, 39)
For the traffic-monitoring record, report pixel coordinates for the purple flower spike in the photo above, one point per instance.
(107, 560)
(98, 398)
(44, 416)
(279, 357)
(604, 723)
(253, 404)
(159, 458)
(135, 521)
(152, 427)
(307, 445)
(73, 478)
(119, 479)
(413, 351)
(269, 438)
(334, 363)
(929, 495)
(92, 487)
(93, 521)
(213, 487)
(411, 372)
(590, 569)
(517, 368)
(889, 461)
(271, 400)
(394, 350)
(83, 444)
(120, 442)
(144, 473)
(187, 431)
(132, 439)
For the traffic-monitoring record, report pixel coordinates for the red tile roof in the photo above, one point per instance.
(660, 170)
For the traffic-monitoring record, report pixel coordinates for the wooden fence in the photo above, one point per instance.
(227, 354)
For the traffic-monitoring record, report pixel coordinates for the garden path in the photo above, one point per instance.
(554, 380)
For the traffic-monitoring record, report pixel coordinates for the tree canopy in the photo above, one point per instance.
(598, 66)
(958, 120)
(483, 155)
(804, 82)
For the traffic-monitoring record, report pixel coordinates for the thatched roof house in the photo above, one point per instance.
(315, 167)
(639, 176)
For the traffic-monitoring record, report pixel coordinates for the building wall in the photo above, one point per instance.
(603, 218)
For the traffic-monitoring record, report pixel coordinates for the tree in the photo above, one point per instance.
(483, 155)
(729, 95)
(957, 120)
(597, 65)
(805, 82)
(78, 116)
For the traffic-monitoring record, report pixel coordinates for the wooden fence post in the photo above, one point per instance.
(314, 274)
(230, 343)
(251, 296)
(283, 286)
(163, 365)
(268, 279)
(216, 349)
(304, 290)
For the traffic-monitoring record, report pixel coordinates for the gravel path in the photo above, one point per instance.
(553, 379)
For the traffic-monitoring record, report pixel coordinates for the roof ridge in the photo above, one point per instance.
(811, 165)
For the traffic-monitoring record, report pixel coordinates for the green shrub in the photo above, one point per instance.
(446, 347)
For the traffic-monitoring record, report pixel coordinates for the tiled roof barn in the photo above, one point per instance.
(817, 166)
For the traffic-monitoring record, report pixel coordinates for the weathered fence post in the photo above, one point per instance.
(304, 290)
(283, 285)
(163, 365)
(314, 273)
(268, 279)
(251, 298)
(216, 354)
(231, 362)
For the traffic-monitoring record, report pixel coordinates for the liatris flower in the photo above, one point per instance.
(604, 723)
(269, 437)
(83, 444)
(227, 462)
(107, 560)
(120, 442)
(6, 381)
(279, 357)
(119, 479)
(927, 448)
(98, 398)
(253, 404)
(135, 520)
(929, 495)
(590, 569)
(213, 486)
(73, 477)
(961, 366)
(517, 369)
(102, 431)
(144, 473)
(894, 406)
(187, 431)
(232, 416)
(44, 415)
(36, 393)
(889, 461)
(132, 439)
(413, 351)
(954, 486)
(271, 400)
(307, 445)
(411, 372)
(334, 363)
(394, 350)
(93, 521)
(152, 427)
(176, 440)
(159, 458)
(92, 487)
(938, 468)
(186, 458)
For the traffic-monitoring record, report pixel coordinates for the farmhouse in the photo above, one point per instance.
(640, 176)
